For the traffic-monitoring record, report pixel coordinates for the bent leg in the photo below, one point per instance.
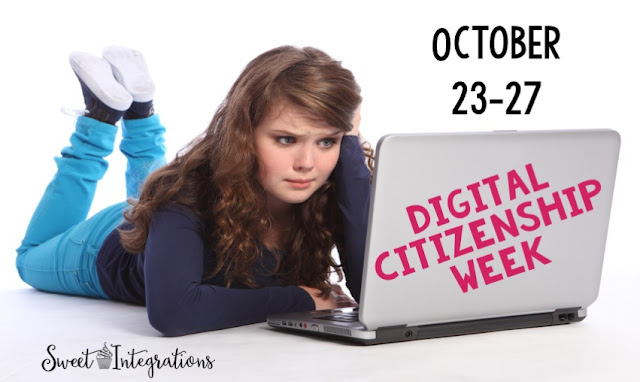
(143, 145)
(66, 203)
(68, 197)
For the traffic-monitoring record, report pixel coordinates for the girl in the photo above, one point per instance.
(239, 225)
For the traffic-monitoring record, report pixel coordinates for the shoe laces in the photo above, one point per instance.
(73, 112)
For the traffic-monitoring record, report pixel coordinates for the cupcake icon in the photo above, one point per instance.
(104, 357)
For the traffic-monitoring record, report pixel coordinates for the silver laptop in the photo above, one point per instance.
(477, 232)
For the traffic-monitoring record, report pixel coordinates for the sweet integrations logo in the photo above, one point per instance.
(506, 206)
(104, 357)
(114, 357)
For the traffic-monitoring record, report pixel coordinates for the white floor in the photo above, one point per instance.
(603, 347)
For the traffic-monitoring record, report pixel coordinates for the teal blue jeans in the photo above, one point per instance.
(59, 250)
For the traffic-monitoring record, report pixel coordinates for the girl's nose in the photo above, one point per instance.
(304, 160)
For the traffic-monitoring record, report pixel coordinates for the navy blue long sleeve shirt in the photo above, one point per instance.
(168, 275)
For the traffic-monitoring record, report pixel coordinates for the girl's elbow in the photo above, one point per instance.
(169, 324)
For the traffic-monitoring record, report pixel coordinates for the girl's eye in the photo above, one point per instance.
(286, 140)
(326, 143)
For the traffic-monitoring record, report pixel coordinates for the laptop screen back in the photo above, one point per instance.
(471, 226)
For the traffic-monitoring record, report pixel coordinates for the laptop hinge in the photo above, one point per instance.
(396, 333)
(556, 317)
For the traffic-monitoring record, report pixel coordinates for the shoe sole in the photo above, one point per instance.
(96, 74)
(130, 70)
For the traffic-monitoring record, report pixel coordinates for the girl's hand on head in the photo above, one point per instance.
(356, 122)
(336, 299)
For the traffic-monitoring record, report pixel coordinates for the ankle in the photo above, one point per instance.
(104, 113)
(96, 109)
(139, 110)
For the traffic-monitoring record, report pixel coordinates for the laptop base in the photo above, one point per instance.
(404, 333)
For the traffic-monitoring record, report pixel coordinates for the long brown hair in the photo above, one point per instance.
(215, 175)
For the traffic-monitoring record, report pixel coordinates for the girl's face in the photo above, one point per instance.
(297, 153)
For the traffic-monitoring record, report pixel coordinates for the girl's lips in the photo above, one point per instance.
(299, 183)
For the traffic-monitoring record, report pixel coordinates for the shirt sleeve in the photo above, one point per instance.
(178, 303)
(353, 181)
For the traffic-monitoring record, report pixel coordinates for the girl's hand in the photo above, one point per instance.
(356, 122)
(337, 298)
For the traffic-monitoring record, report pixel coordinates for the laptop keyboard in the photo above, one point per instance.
(341, 316)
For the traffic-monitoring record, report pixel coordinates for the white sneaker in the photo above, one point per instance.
(130, 70)
(97, 76)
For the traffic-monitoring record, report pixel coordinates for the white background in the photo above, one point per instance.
(195, 50)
